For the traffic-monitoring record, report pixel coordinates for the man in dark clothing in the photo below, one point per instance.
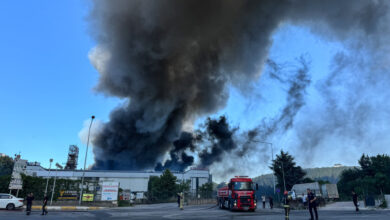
(271, 202)
(355, 200)
(312, 204)
(178, 200)
(44, 211)
(286, 205)
(29, 199)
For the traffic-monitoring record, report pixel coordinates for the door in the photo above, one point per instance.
(3, 200)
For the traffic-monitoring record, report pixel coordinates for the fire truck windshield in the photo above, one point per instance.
(242, 186)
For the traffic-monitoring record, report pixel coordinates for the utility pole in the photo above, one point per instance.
(272, 157)
(54, 185)
(47, 181)
(85, 160)
(284, 181)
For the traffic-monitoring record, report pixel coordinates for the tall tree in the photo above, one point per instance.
(373, 177)
(6, 165)
(286, 171)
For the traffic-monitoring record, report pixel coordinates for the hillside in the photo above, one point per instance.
(332, 174)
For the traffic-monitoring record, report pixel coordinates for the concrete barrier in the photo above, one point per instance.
(66, 208)
(201, 201)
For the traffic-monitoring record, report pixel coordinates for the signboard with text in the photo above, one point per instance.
(68, 195)
(110, 191)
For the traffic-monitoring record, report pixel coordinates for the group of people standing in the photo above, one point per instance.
(310, 199)
(30, 199)
(270, 200)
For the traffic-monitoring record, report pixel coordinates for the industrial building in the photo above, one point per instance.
(134, 181)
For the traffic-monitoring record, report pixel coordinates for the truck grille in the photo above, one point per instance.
(245, 200)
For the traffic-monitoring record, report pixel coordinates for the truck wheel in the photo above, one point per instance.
(10, 206)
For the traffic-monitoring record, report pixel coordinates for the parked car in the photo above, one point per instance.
(9, 202)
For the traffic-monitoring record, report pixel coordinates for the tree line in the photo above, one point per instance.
(370, 179)
(167, 186)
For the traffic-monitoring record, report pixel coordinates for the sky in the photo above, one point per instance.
(47, 83)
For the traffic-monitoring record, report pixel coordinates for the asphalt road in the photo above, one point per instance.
(170, 211)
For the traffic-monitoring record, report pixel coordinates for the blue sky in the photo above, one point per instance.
(47, 81)
(46, 85)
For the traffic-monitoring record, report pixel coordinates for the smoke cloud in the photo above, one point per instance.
(172, 60)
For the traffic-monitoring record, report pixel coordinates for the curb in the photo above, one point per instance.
(66, 208)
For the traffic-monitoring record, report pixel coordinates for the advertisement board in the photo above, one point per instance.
(68, 195)
(110, 191)
(124, 195)
(87, 197)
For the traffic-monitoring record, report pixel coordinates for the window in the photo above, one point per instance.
(5, 196)
(242, 186)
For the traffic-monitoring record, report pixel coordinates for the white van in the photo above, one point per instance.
(9, 202)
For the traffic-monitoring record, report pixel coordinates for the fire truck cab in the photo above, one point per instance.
(239, 194)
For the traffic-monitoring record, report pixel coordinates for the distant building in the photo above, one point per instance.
(134, 181)
(2, 155)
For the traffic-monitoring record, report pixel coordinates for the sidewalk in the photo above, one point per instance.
(66, 208)
(341, 206)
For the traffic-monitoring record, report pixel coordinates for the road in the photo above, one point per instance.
(170, 211)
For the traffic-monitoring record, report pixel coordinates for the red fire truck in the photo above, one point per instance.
(239, 194)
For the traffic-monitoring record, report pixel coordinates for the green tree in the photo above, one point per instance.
(4, 183)
(168, 184)
(206, 190)
(183, 186)
(154, 189)
(6, 165)
(372, 178)
(284, 166)
(162, 188)
(37, 186)
(308, 180)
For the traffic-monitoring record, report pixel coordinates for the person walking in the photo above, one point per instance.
(178, 199)
(286, 205)
(355, 200)
(304, 200)
(44, 210)
(271, 202)
(29, 199)
(312, 200)
(263, 200)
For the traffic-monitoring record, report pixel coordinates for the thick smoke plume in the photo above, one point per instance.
(172, 60)
(220, 135)
(180, 160)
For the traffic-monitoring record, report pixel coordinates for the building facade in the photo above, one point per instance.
(134, 181)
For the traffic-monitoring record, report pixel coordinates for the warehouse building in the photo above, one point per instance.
(134, 181)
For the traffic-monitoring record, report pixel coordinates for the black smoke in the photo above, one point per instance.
(179, 159)
(221, 138)
(172, 60)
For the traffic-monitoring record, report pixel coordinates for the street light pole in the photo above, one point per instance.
(272, 156)
(47, 181)
(85, 161)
